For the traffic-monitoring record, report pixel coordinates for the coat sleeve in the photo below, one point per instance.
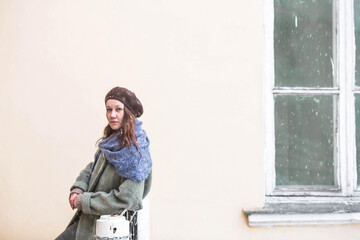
(127, 196)
(82, 180)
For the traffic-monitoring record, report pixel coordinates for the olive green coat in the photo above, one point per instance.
(106, 193)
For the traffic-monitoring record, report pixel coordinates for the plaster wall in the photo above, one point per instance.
(196, 66)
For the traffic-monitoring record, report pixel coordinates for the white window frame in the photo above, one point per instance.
(301, 206)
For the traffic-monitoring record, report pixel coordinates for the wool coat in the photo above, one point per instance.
(105, 193)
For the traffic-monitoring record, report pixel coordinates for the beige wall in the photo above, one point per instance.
(197, 67)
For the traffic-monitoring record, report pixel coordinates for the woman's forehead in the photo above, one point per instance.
(114, 103)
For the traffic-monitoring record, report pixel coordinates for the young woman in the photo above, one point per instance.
(120, 175)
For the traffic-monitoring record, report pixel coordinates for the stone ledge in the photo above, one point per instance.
(292, 214)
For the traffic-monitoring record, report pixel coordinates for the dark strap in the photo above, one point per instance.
(97, 155)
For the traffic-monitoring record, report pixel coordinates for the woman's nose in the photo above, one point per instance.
(113, 114)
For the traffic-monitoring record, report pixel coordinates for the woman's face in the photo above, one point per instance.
(114, 113)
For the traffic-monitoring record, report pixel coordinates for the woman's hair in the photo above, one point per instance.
(127, 130)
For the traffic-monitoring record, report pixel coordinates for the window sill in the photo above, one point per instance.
(280, 214)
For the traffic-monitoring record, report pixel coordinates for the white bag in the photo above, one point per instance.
(112, 227)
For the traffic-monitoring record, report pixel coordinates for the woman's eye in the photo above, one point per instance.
(108, 110)
(118, 109)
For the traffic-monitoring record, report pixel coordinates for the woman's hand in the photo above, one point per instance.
(72, 200)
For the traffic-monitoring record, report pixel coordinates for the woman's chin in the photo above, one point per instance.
(115, 127)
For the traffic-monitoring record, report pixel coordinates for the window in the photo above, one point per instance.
(305, 98)
(312, 113)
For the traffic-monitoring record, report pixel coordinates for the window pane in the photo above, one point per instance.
(303, 40)
(357, 41)
(357, 122)
(304, 139)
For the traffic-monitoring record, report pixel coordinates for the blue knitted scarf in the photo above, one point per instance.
(129, 162)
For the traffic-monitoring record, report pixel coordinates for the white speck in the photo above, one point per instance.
(295, 21)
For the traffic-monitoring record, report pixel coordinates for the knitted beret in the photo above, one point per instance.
(128, 98)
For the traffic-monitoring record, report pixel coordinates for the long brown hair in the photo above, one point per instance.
(127, 130)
